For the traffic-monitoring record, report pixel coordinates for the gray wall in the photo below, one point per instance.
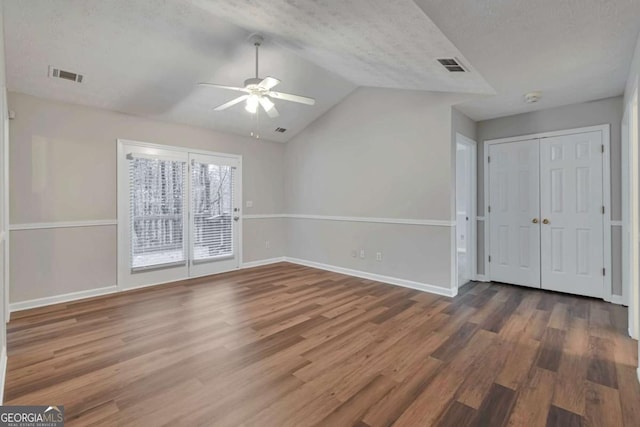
(604, 111)
(54, 143)
(4, 196)
(380, 153)
(463, 125)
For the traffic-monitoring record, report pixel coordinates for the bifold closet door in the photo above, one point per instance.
(571, 198)
(514, 213)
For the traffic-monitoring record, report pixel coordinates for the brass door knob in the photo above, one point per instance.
(545, 221)
(534, 220)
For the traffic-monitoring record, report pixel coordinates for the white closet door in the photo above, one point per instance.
(571, 209)
(514, 221)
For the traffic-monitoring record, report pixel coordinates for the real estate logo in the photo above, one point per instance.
(31, 416)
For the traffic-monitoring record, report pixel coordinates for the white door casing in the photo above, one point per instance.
(514, 213)
(572, 212)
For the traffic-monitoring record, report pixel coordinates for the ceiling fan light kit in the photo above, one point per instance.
(258, 91)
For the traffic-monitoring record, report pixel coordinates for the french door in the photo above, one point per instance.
(547, 214)
(178, 214)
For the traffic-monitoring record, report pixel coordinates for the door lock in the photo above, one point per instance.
(534, 220)
(545, 221)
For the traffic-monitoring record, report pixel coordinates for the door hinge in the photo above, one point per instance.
(603, 210)
(604, 272)
(489, 208)
(488, 159)
(489, 258)
(602, 148)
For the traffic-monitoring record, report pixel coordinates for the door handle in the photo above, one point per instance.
(545, 221)
(236, 218)
(534, 220)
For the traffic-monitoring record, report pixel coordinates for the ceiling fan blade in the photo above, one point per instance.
(268, 83)
(240, 89)
(269, 107)
(291, 97)
(231, 103)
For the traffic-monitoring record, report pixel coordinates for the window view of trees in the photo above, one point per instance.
(157, 201)
(212, 198)
(157, 192)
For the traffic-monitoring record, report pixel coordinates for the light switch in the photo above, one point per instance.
(249, 203)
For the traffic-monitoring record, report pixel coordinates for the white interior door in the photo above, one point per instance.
(214, 214)
(464, 206)
(571, 207)
(514, 209)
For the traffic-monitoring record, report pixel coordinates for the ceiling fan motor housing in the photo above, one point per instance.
(252, 81)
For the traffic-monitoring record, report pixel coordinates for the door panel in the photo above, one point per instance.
(153, 211)
(514, 203)
(214, 215)
(571, 208)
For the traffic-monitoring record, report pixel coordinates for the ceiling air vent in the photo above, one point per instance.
(66, 75)
(281, 130)
(452, 65)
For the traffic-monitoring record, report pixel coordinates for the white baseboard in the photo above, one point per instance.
(3, 372)
(74, 296)
(481, 278)
(57, 299)
(377, 277)
(617, 299)
(262, 262)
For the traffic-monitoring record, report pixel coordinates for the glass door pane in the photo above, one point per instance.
(153, 196)
(214, 215)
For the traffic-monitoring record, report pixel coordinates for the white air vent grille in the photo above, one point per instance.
(57, 73)
(452, 65)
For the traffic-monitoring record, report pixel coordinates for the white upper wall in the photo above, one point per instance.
(63, 159)
(379, 153)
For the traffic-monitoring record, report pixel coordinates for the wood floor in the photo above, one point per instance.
(286, 345)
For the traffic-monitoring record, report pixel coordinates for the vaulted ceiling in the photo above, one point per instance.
(145, 57)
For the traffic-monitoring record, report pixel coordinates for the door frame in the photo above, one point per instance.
(472, 245)
(123, 207)
(606, 194)
(630, 166)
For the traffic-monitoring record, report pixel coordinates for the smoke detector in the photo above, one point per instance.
(532, 97)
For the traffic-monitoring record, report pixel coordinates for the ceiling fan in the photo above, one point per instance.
(258, 91)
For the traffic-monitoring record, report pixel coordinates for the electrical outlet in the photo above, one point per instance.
(378, 256)
(362, 253)
(249, 203)
(354, 253)
(267, 244)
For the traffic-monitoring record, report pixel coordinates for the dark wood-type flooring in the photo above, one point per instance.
(286, 345)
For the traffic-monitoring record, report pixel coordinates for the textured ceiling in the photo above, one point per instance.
(145, 57)
(571, 50)
(383, 43)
